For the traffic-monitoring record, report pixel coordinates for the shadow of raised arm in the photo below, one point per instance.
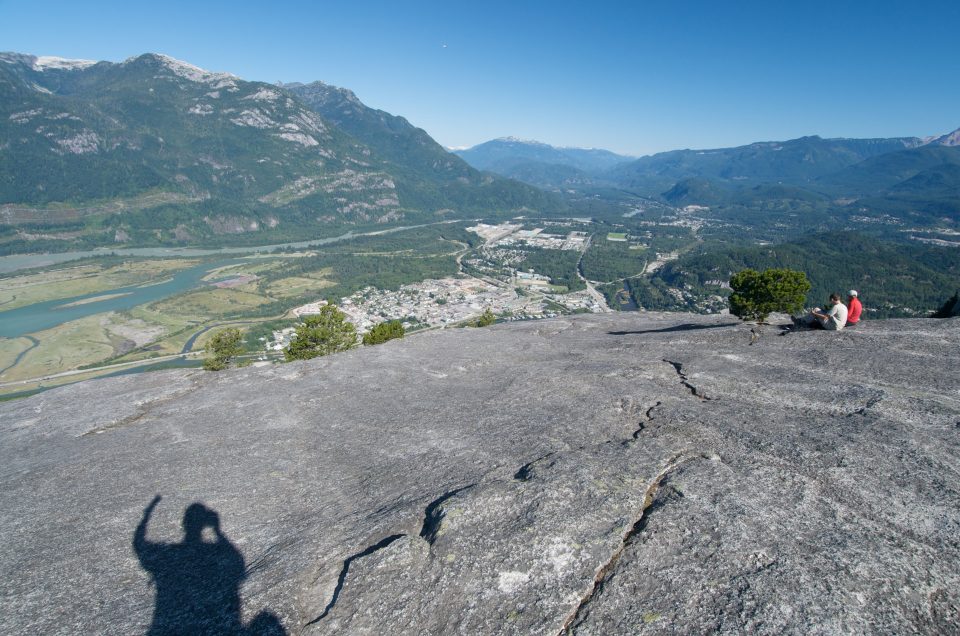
(140, 543)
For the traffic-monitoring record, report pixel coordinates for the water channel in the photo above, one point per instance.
(44, 315)
(33, 318)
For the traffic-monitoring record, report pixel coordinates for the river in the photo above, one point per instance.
(44, 315)
(16, 262)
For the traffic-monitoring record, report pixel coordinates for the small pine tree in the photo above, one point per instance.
(222, 348)
(949, 308)
(486, 319)
(383, 332)
(757, 294)
(321, 334)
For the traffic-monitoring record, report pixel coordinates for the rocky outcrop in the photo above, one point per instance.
(604, 474)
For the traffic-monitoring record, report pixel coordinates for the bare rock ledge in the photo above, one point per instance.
(614, 474)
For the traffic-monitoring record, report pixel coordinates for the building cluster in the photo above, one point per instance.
(510, 235)
(575, 302)
(502, 256)
(441, 303)
(537, 238)
(504, 288)
(493, 233)
(429, 303)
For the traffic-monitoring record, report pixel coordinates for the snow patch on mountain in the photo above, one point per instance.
(193, 73)
(950, 139)
(45, 62)
(518, 140)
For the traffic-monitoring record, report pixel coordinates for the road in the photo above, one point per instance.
(597, 296)
(107, 367)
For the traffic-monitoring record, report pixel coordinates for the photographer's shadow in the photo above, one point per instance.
(198, 580)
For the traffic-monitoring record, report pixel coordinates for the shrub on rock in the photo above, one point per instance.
(486, 319)
(222, 348)
(949, 308)
(758, 294)
(321, 334)
(383, 332)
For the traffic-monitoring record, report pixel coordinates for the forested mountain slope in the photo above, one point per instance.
(154, 150)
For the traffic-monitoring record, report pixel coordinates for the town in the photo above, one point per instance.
(510, 293)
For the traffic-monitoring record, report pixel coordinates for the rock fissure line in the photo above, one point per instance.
(342, 579)
(143, 411)
(872, 402)
(130, 419)
(433, 514)
(267, 557)
(524, 474)
(649, 412)
(432, 520)
(678, 367)
(641, 426)
(606, 570)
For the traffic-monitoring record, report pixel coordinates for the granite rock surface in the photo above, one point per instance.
(601, 474)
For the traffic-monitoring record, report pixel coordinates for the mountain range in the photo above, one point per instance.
(800, 161)
(904, 176)
(541, 164)
(155, 151)
(158, 150)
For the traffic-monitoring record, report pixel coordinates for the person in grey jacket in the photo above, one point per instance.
(835, 318)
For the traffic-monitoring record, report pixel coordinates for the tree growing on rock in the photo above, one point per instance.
(949, 308)
(383, 332)
(223, 347)
(486, 319)
(321, 334)
(758, 294)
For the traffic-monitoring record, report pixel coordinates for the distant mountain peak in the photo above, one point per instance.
(183, 69)
(949, 139)
(517, 140)
(539, 163)
(45, 62)
(233, 156)
(324, 92)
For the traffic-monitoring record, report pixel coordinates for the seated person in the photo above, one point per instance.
(835, 318)
(854, 308)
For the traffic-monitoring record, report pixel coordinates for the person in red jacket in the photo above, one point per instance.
(854, 308)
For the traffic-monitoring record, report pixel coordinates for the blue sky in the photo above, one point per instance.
(635, 77)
